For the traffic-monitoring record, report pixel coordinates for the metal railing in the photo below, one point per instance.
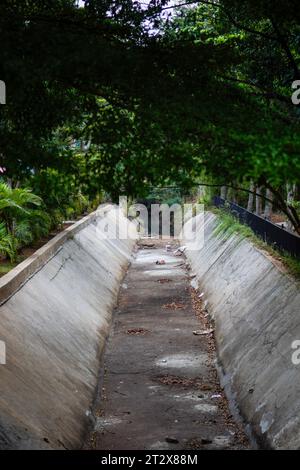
(272, 234)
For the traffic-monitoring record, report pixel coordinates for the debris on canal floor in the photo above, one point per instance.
(161, 385)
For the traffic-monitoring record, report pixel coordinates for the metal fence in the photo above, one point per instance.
(272, 234)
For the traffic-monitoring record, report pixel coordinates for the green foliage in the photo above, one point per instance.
(54, 187)
(229, 225)
(16, 203)
(61, 193)
(22, 222)
(8, 243)
(35, 225)
(159, 99)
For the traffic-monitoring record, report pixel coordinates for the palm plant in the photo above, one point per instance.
(34, 225)
(20, 222)
(8, 244)
(15, 203)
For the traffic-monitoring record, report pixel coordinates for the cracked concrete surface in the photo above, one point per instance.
(160, 388)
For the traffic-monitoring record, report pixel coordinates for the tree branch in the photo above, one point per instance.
(265, 93)
(286, 48)
(221, 7)
(289, 211)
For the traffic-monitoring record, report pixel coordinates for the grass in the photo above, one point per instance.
(228, 225)
(5, 267)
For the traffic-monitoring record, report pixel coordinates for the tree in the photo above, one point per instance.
(160, 99)
(258, 137)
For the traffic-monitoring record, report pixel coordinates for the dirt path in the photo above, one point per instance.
(160, 388)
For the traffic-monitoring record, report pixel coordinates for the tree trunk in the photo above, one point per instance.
(258, 201)
(291, 192)
(201, 192)
(268, 205)
(290, 197)
(223, 192)
(235, 196)
(251, 197)
(286, 208)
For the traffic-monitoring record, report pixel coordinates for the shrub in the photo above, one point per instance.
(8, 244)
(22, 221)
(15, 203)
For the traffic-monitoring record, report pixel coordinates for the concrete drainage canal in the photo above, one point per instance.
(160, 388)
(135, 367)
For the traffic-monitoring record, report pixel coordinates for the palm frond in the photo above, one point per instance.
(8, 243)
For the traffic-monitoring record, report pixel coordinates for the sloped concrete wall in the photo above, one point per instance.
(256, 311)
(55, 323)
